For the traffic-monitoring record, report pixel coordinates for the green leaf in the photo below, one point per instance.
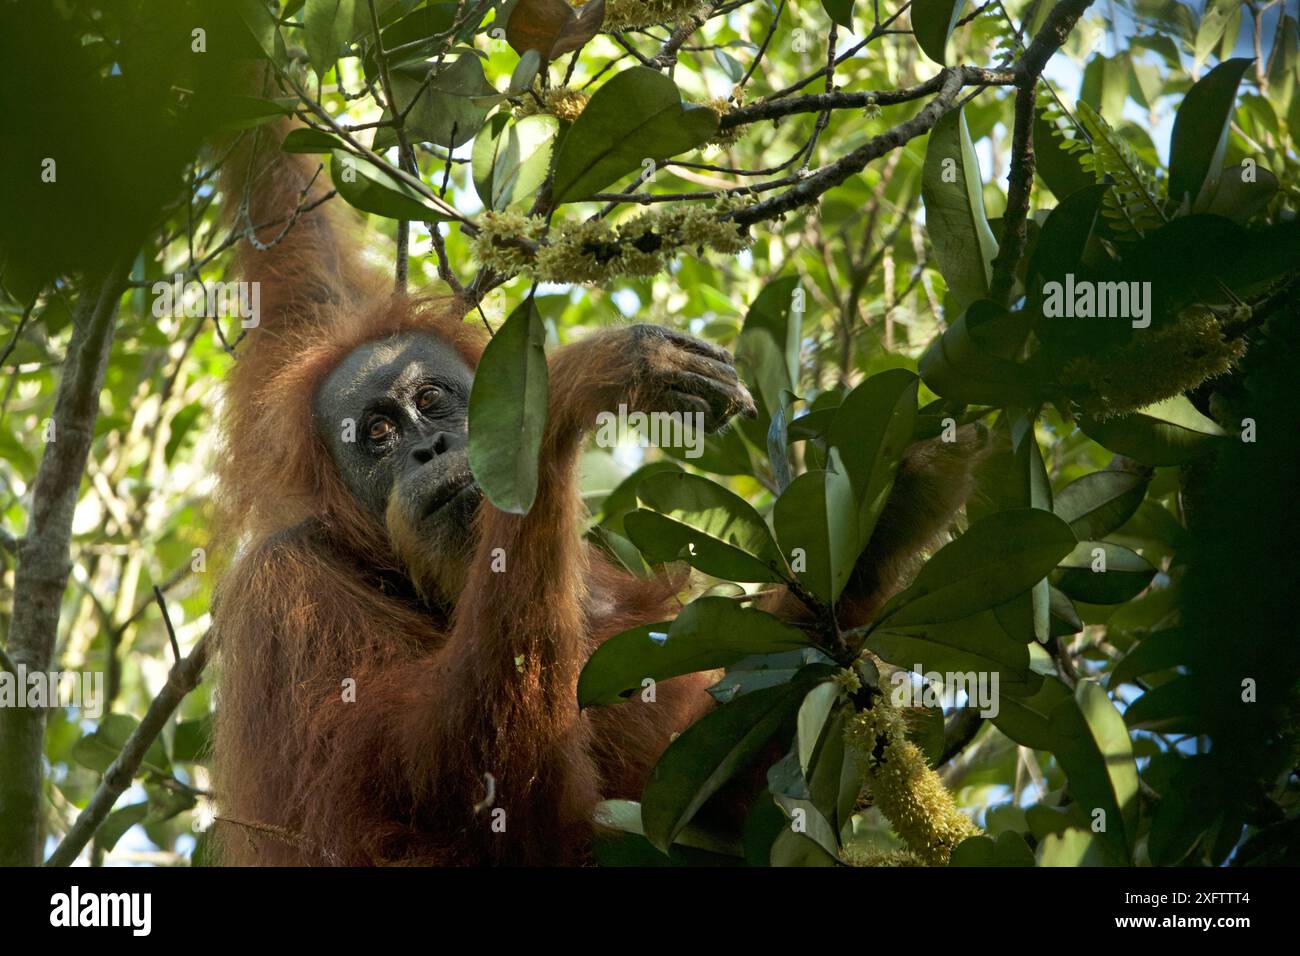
(1064, 238)
(419, 34)
(1160, 651)
(1126, 574)
(711, 751)
(181, 424)
(778, 441)
(262, 26)
(241, 112)
(1240, 195)
(1092, 744)
(932, 23)
(327, 27)
(118, 822)
(710, 632)
(448, 110)
(304, 139)
(623, 498)
(1175, 707)
(977, 644)
(840, 11)
(371, 188)
(1132, 203)
(1054, 161)
(960, 366)
(700, 521)
(998, 557)
(1214, 21)
(817, 514)
(1171, 432)
(953, 192)
(625, 816)
(97, 750)
(1027, 720)
(193, 740)
(1200, 134)
(763, 670)
(1010, 849)
(1072, 847)
(507, 411)
(1097, 504)
(729, 64)
(511, 157)
(872, 428)
(637, 115)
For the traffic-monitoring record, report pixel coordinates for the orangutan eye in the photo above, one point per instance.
(427, 398)
(379, 428)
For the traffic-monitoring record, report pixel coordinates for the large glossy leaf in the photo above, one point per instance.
(1092, 744)
(932, 24)
(961, 365)
(953, 192)
(977, 644)
(637, 115)
(507, 411)
(305, 139)
(818, 516)
(1241, 194)
(371, 188)
(1095, 505)
(448, 110)
(1160, 651)
(711, 751)
(1072, 847)
(997, 558)
(1010, 849)
(1175, 707)
(710, 632)
(1125, 576)
(1171, 432)
(1201, 131)
(511, 157)
(1027, 720)
(262, 27)
(1064, 238)
(871, 429)
(699, 521)
(623, 498)
(326, 27)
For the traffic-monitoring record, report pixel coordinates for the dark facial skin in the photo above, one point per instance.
(409, 398)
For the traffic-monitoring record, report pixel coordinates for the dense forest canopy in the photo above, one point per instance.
(1070, 224)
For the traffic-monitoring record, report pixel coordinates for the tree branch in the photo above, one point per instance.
(1020, 180)
(828, 177)
(184, 677)
(43, 557)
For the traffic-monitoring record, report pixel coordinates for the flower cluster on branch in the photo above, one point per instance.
(596, 251)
